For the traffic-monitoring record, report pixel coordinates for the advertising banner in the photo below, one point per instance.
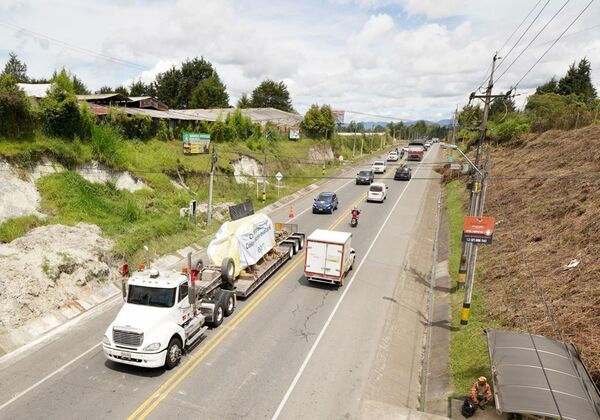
(195, 143)
(479, 230)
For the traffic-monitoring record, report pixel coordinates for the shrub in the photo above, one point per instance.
(513, 126)
(551, 110)
(106, 144)
(132, 126)
(16, 117)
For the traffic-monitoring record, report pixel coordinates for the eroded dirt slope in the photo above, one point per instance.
(545, 194)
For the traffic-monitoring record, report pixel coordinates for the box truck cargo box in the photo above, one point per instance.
(328, 257)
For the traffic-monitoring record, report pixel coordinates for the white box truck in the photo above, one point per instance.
(328, 257)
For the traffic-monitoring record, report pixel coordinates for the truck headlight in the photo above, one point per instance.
(106, 341)
(152, 347)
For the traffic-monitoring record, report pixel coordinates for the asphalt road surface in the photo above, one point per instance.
(291, 350)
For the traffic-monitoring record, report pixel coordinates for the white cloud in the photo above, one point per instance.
(408, 58)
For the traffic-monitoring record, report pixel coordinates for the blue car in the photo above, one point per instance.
(326, 202)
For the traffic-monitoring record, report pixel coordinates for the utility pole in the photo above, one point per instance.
(454, 126)
(477, 196)
(213, 161)
(264, 193)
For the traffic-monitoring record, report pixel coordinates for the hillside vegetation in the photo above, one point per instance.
(544, 192)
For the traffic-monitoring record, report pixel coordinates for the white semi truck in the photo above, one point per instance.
(329, 256)
(167, 312)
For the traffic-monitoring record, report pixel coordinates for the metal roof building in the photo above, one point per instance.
(537, 376)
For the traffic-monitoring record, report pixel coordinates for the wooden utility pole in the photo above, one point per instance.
(476, 204)
(213, 162)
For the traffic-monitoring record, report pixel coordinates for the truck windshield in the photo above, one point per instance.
(151, 296)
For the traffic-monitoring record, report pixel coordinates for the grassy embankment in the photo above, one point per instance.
(149, 216)
(468, 347)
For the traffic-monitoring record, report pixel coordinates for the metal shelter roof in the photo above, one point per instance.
(537, 375)
(36, 90)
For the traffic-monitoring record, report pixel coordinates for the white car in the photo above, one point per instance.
(377, 192)
(379, 166)
(393, 156)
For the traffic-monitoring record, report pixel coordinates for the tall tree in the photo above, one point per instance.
(167, 87)
(210, 93)
(104, 89)
(551, 86)
(16, 117)
(318, 122)
(578, 81)
(193, 72)
(138, 88)
(79, 86)
(16, 68)
(271, 94)
(244, 102)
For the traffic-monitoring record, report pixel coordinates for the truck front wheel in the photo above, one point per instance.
(173, 353)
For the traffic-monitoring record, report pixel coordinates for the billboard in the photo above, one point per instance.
(195, 143)
(478, 229)
(338, 116)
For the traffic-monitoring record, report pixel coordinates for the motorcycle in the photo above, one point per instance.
(354, 222)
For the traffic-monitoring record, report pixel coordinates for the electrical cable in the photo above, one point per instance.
(73, 47)
(522, 35)
(487, 77)
(554, 43)
(532, 40)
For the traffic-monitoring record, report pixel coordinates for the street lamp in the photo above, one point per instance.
(455, 147)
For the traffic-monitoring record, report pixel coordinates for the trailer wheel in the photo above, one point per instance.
(218, 315)
(290, 250)
(296, 245)
(173, 353)
(301, 238)
(228, 271)
(229, 305)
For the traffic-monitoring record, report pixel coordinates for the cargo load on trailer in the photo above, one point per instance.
(245, 241)
(328, 257)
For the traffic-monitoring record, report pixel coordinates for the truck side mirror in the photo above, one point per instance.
(191, 293)
(124, 288)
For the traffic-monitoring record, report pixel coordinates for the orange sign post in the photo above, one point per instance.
(478, 229)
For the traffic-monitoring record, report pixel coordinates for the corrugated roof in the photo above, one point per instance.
(558, 386)
(36, 90)
(100, 96)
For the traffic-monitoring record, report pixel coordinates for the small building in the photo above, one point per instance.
(105, 99)
(146, 102)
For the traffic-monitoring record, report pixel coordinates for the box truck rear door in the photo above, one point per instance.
(333, 262)
(315, 257)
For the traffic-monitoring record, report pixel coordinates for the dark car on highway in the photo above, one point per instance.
(403, 173)
(326, 202)
(365, 177)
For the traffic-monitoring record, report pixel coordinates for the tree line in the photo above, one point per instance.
(194, 84)
(567, 103)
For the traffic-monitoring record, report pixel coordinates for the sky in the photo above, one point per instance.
(411, 59)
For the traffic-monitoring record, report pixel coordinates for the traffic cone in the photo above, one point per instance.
(291, 213)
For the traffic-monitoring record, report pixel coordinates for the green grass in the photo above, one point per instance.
(468, 347)
(18, 226)
(150, 216)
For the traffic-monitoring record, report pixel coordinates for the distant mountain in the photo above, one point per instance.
(369, 125)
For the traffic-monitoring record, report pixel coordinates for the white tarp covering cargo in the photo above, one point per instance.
(245, 240)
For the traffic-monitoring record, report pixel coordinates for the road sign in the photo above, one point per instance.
(479, 230)
(278, 176)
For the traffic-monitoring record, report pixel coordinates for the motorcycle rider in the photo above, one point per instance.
(355, 213)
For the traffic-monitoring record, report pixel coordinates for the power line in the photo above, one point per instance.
(73, 47)
(554, 43)
(486, 76)
(522, 35)
(532, 40)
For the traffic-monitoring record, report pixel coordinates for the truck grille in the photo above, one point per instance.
(127, 338)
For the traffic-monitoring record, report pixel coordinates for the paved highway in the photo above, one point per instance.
(291, 350)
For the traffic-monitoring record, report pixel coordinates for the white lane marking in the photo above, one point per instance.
(45, 378)
(337, 305)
